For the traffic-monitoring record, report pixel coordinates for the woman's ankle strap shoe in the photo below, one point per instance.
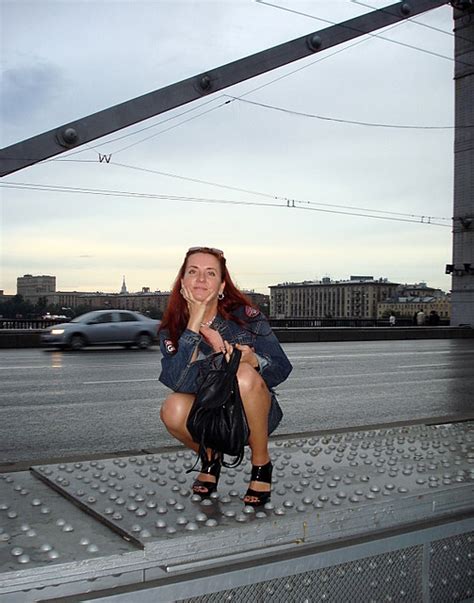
(206, 488)
(263, 474)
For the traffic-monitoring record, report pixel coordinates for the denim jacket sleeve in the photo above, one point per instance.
(273, 362)
(177, 371)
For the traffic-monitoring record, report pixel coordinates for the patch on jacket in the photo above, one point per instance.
(251, 312)
(169, 346)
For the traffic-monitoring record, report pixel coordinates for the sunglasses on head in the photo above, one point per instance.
(205, 250)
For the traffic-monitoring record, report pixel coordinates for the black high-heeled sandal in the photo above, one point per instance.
(260, 473)
(206, 488)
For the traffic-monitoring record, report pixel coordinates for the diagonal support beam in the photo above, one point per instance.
(76, 133)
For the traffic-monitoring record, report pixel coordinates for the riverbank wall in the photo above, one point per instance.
(30, 338)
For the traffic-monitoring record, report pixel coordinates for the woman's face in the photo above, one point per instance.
(202, 275)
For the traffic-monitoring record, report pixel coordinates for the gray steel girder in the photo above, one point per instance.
(76, 133)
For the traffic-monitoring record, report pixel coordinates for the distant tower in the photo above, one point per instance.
(123, 290)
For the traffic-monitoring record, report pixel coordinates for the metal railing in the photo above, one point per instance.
(43, 323)
(30, 323)
(345, 322)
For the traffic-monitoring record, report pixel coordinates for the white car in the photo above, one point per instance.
(103, 327)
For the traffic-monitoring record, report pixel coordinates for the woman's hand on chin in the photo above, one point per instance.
(196, 307)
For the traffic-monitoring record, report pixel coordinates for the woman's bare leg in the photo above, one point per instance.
(256, 400)
(174, 414)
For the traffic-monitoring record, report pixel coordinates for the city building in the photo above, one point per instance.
(143, 301)
(405, 307)
(355, 298)
(33, 287)
(419, 290)
(123, 290)
(259, 299)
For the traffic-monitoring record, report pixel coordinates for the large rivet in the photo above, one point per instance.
(205, 83)
(405, 9)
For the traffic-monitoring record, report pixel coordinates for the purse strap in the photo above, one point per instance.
(234, 361)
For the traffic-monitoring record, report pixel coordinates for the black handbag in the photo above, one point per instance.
(217, 418)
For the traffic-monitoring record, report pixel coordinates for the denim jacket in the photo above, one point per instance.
(181, 375)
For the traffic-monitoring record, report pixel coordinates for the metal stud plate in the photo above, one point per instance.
(38, 528)
(329, 486)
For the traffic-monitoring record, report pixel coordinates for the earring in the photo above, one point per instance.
(181, 291)
(221, 296)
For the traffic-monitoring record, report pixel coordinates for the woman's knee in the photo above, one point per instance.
(175, 409)
(250, 382)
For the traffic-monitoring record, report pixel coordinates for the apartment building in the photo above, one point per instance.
(140, 302)
(33, 287)
(354, 298)
(405, 307)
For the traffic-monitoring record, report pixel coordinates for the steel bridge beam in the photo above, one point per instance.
(74, 134)
(462, 268)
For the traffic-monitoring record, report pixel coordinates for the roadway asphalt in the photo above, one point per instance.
(100, 401)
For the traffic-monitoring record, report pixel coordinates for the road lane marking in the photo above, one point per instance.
(426, 365)
(21, 368)
(117, 381)
(366, 385)
(355, 356)
(302, 377)
(74, 366)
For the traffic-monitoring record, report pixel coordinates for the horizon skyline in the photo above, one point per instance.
(244, 289)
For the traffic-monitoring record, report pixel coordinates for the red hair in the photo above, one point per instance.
(176, 315)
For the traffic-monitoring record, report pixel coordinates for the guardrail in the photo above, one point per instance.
(30, 323)
(43, 323)
(346, 322)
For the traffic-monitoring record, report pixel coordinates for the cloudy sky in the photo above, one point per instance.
(63, 60)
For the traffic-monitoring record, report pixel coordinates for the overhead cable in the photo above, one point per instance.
(287, 203)
(260, 193)
(374, 35)
(411, 20)
(154, 125)
(344, 121)
(259, 87)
